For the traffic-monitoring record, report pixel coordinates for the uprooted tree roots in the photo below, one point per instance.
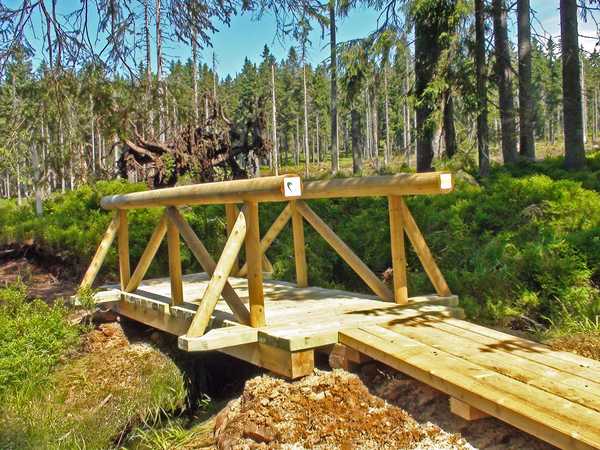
(218, 149)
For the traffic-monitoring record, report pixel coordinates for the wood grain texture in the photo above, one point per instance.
(299, 246)
(174, 264)
(398, 251)
(123, 248)
(101, 252)
(253, 258)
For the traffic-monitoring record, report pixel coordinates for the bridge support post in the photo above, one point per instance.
(398, 251)
(123, 246)
(299, 246)
(254, 260)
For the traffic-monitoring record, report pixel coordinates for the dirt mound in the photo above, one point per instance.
(584, 344)
(327, 410)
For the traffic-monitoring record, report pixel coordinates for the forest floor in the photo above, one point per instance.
(376, 407)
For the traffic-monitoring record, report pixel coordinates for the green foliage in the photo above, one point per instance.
(33, 337)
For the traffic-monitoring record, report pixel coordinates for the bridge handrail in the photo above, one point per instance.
(271, 189)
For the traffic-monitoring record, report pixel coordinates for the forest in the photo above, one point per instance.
(91, 104)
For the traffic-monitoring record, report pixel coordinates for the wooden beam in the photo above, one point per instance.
(148, 255)
(465, 411)
(219, 338)
(174, 264)
(123, 246)
(270, 189)
(255, 278)
(299, 246)
(422, 250)
(231, 213)
(398, 251)
(345, 252)
(152, 317)
(101, 252)
(219, 277)
(281, 362)
(208, 264)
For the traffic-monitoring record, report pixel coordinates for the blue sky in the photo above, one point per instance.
(246, 37)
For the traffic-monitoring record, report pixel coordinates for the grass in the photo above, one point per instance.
(56, 394)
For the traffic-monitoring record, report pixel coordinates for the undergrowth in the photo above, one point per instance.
(54, 394)
(521, 249)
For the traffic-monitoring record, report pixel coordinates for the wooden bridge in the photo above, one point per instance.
(278, 325)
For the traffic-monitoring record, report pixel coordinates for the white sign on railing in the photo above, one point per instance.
(292, 187)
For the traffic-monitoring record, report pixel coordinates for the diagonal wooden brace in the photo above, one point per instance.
(276, 228)
(219, 277)
(101, 252)
(148, 255)
(344, 251)
(208, 264)
(422, 250)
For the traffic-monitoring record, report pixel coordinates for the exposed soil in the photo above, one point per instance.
(46, 277)
(426, 404)
(326, 410)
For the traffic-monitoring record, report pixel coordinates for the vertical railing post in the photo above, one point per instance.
(253, 258)
(123, 248)
(231, 214)
(299, 249)
(398, 251)
(174, 263)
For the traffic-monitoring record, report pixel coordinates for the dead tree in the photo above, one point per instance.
(215, 150)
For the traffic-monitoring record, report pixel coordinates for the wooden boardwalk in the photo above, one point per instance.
(552, 395)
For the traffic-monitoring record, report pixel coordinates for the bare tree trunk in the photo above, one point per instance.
(388, 144)
(526, 112)
(584, 102)
(195, 76)
(297, 139)
(159, 84)
(335, 151)
(449, 130)
(369, 150)
(317, 140)
(572, 109)
(427, 51)
(19, 200)
(306, 156)
(356, 147)
(483, 149)
(148, 99)
(504, 75)
(37, 182)
(275, 148)
(91, 134)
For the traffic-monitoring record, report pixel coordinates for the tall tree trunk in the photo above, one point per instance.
(449, 130)
(356, 147)
(297, 139)
(335, 151)
(388, 144)
(504, 76)
(427, 52)
(19, 200)
(275, 148)
(306, 156)
(583, 101)
(526, 112)
(374, 126)
(572, 109)
(37, 181)
(195, 76)
(482, 108)
(148, 99)
(159, 84)
(317, 156)
(214, 70)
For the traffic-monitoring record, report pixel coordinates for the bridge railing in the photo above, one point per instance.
(243, 230)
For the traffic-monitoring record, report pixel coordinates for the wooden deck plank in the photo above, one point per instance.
(219, 338)
(547, 416)
(565, 361)
(567, 386)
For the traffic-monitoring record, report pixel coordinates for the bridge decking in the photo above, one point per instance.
(552, 395)
(296, 318)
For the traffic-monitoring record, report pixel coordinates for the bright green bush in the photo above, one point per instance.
(33, 337)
